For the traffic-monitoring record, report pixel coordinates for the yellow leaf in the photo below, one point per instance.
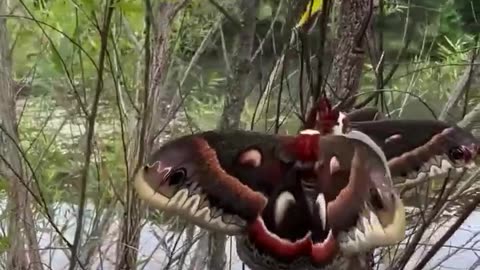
(313, 7)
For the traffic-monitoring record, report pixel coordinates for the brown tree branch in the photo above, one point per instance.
(155, 104)
(104, 33)
(465, 213)
(227, 15)
(23, 253)
(238, 88)
(347, 65)
(237, 83)
(461, 87)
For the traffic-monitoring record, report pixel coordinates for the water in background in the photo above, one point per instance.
(462, 251)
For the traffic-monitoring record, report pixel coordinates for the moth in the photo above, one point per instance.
(307, 200)
(291, 209)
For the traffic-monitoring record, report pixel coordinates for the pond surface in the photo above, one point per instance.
(462, 251)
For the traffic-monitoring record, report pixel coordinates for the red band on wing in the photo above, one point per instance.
(220, 182)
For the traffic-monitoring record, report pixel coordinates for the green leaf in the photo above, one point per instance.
(132, 7)
(3, 185)
(4, 244)
(264, 12)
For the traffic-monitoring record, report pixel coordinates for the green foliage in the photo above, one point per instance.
(3, 186)
(265, 12)
(204, 102)
(192, 25)
(469, 11)
(4, 244)
(450, 21)
(50, 139)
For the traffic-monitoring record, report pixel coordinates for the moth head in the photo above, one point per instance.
(325, 119)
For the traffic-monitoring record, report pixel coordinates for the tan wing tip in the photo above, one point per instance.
(374, 234)
(395, 231)
(181, 205)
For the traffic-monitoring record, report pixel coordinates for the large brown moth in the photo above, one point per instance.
(307, 200)
(289, 208)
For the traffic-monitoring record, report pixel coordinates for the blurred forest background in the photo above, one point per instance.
(88, 89)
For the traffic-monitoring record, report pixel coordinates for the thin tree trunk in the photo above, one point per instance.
(462, 86)
(238, 88)
(24, 251)
(93, 243)
(344, 79)
(238, 84)
(145, 127)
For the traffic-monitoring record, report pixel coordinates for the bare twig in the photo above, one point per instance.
(109, 9)
(238, 24)
(461, 87)
(467, 210)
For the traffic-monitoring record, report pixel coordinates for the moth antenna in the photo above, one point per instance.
(322, 117)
